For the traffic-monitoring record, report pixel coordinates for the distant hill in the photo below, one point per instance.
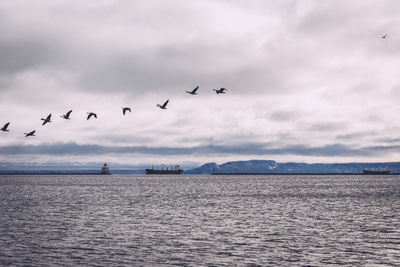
(271, 166)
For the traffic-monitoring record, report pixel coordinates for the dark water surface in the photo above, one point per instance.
(194, 220)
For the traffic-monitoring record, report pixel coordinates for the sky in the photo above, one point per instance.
(308, 81)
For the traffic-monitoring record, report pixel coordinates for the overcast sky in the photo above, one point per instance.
(308, 81)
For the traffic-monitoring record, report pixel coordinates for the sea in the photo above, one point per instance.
(199, 220)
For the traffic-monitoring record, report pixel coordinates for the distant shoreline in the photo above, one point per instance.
(50, 173)
(89, 172)
(300, 174)
(228, 174)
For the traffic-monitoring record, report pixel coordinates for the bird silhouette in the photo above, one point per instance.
(90, 115)
(164, 106)
(125, 109)
(46, 120)
(220, 91)
(30, 133)
(4, 129)
(66, 116)
(384, 36)
(193, 92)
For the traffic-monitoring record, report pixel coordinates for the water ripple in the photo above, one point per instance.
(199, 220)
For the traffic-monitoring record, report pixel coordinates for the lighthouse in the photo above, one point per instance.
(105, 169)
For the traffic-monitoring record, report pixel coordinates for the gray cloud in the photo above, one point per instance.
(388, 140)
(352, 136)
(327, 127)
(334, 150)
(283, 116)
(136, 74)
(19, 55)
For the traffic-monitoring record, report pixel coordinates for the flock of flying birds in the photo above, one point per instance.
(124, 109)
(92, 114)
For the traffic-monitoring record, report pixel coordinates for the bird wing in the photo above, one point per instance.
(69, 113)
(29, 134)
(195, 89)
(90, 115)
(95, 115)
(6, 125)
(48, 117)
(165, 104)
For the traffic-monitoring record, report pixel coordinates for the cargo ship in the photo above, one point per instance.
(165, 170)
(377, 172)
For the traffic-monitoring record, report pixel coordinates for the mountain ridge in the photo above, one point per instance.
(271, 166)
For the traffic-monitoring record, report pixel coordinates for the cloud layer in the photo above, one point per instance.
(307, 81)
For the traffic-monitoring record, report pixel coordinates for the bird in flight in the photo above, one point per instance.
(384, 36)
(46, 120)
(193, 92)
(125, 109)
(220, 91)
(30, 133)
(90, 115)
(164, 106)
(4, 129)
(66, 116)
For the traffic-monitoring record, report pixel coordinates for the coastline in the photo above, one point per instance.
(301, 174)
(50, 173)
(227, 174)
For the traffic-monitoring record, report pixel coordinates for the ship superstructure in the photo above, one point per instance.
(165, 170)
(381, 171)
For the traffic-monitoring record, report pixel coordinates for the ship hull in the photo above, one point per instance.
(151, 171)
(376, 172)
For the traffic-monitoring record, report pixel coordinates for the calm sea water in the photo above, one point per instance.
(194, 220)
